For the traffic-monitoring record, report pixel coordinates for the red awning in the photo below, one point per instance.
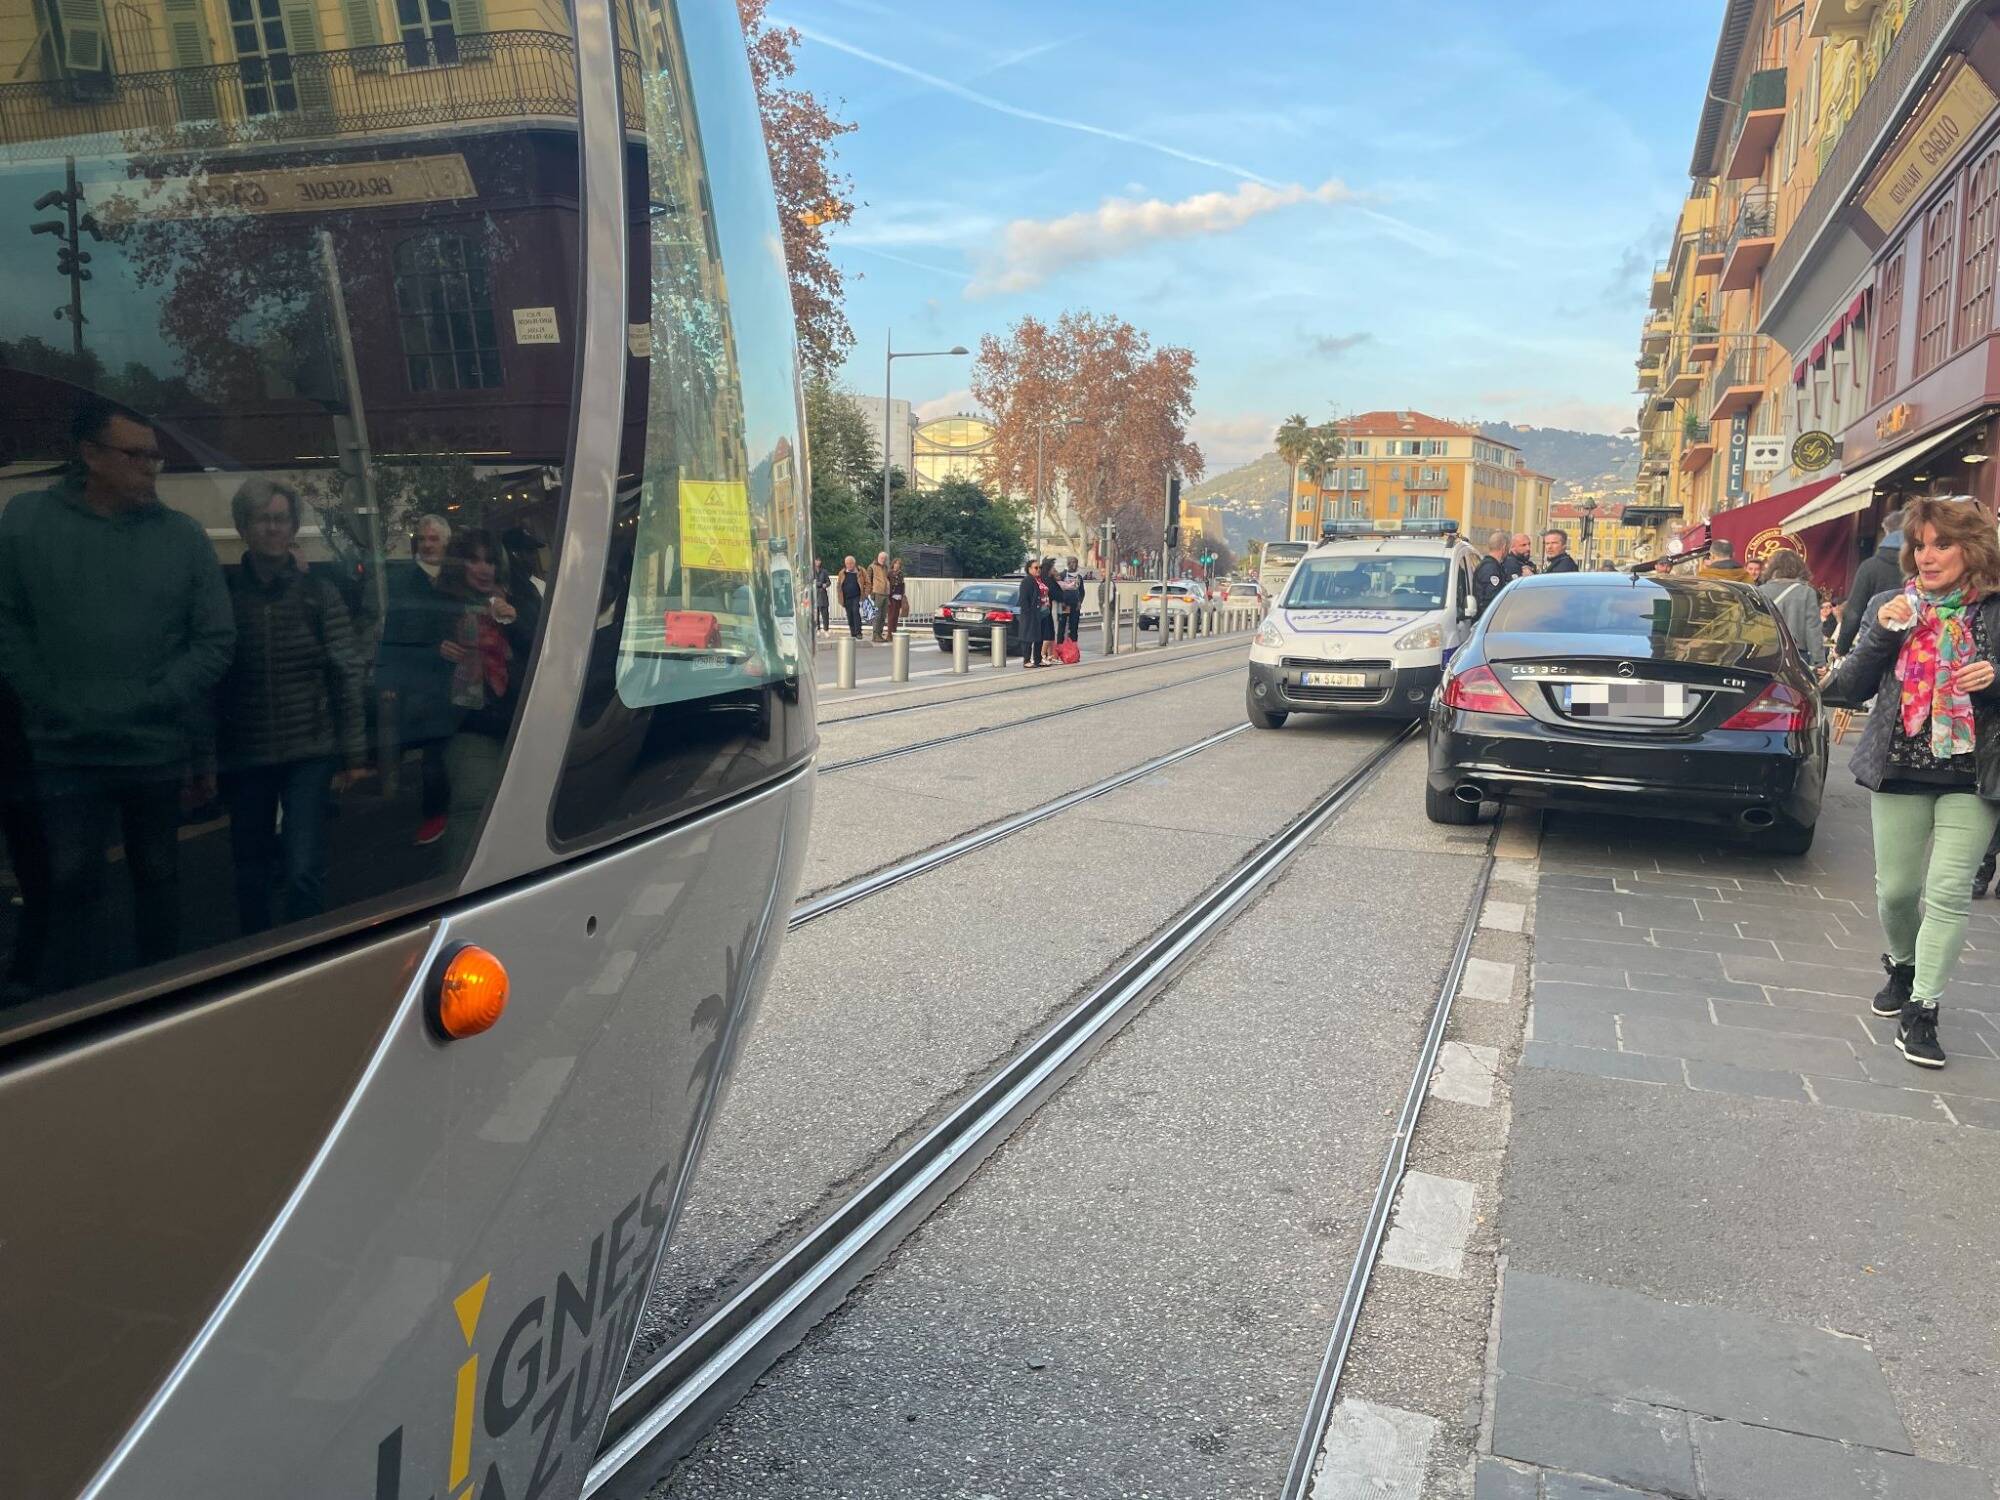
(1828, 548)
(1695, 537)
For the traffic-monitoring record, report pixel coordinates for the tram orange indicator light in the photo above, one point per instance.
(470, 993)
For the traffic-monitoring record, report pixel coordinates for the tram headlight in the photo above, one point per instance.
(1423, 638)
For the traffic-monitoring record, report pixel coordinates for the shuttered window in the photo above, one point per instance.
(1888, 325)
(1975, 280)
(1934, 304)
(84, 44)
(444, 302)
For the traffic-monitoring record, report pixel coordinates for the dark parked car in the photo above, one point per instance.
(980, 608)
(1651, 696)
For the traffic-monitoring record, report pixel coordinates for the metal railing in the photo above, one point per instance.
(1923, 23)
(1756, 217)
(356, 90)
(1765, 90)
(1702, 325)
(1695, 432)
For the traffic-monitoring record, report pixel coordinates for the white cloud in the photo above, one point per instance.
(1230, 441)
(950, 404)
(1031, 249)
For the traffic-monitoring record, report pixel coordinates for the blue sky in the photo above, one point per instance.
(1444, 204)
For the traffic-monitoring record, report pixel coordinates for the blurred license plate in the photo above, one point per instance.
(1627, 700)
(1334, 679)
(972, 615)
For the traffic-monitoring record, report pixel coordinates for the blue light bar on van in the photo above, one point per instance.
(1340, 530)
(1331, 529)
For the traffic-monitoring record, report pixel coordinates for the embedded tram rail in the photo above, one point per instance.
(666, 1407)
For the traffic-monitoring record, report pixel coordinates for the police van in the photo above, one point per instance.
(1365, 625)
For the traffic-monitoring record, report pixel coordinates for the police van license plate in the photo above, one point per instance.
(1333, 679)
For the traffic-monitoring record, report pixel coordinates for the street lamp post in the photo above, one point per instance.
(1589, 534)
(890, 356)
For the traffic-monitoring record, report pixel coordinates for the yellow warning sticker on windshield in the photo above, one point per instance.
(715, 524)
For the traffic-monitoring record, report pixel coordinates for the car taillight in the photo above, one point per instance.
(1778, 708)
(999, 616)
(944, 611)
(1478, 691)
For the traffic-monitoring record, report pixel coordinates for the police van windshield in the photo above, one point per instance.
(1369, 582)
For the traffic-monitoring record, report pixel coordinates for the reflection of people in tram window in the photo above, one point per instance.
(27, 852)
(115, 628)
(414, 684)
(290, 718)
(485, 641)
(525, 567)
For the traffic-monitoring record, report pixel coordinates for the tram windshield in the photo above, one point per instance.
(281, 481)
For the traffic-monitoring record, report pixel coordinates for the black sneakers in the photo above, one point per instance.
(1893, 996)
(1916, 1036)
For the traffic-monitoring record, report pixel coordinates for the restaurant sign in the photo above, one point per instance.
(1813, 451)
(286, 190)
(1956, 109)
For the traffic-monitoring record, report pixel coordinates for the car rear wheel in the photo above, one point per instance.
(1444, 807)
(945, 646)
(1790, 839)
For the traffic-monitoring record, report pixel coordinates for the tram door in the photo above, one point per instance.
(398, 505)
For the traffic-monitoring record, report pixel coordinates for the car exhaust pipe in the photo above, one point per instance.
(1469, 792)
(1759, 817)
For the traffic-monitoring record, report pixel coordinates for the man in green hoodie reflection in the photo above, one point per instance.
(115, 628)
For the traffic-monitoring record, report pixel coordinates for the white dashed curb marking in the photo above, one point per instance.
(1374, 1453)
(1433, 1221)
(1487, 980)
(1465, 1072)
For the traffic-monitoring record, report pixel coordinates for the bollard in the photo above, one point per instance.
(1109, 625)
(998, 645)
(961, 651)
(899, 657)
(843, 658)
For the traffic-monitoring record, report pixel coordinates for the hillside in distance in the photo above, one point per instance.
(1252, 497)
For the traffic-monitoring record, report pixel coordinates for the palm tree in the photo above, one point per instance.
(1294, 437)
(1324, 450)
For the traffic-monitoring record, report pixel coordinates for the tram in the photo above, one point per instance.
(405, 722)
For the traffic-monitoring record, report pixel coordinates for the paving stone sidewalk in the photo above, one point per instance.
(1748, 1248)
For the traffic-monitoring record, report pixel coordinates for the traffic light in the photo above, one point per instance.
(1173, 512)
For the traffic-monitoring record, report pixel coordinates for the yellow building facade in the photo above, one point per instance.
(1398, 466)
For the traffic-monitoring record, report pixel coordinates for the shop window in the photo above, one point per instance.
(1934, 300)
(444, 303)
(1975, 282)
(1888, 325)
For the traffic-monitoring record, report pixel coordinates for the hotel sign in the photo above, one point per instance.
(1927, 146)
(287, 190)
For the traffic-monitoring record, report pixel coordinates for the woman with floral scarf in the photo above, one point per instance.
(1931, 752)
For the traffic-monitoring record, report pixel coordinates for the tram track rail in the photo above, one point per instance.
(659, 1416)
(1233, 643)
(1300, 1474)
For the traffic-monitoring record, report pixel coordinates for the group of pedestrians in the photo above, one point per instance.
(1050, 613)
(1510, 557)
(879, 591)
(140, 683)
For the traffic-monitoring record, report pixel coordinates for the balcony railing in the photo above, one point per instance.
(1759, 118)
(496, 75)
(1756, 217)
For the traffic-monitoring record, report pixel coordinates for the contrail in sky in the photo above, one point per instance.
(1000, 106)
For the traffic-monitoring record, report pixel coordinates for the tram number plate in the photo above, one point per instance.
(1334, 679)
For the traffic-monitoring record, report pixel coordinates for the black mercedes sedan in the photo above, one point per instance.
(980, 608)
(1649, 696)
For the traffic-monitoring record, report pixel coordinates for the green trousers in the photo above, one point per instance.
(1928, 844)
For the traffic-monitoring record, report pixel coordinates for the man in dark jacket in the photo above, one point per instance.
(291, 720)
(1490, 576)
(413, 681)
(853, 585)
(1877, 575)
(1555, 552)
(115, 628)
(1518, 559)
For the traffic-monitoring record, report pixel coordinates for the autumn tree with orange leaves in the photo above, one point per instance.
(1113, 410)
(799, 132)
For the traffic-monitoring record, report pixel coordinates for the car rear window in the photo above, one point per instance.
(986, 593)
(1679, 619)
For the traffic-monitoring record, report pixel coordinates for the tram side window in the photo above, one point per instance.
(696, 683)
(274, 531)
